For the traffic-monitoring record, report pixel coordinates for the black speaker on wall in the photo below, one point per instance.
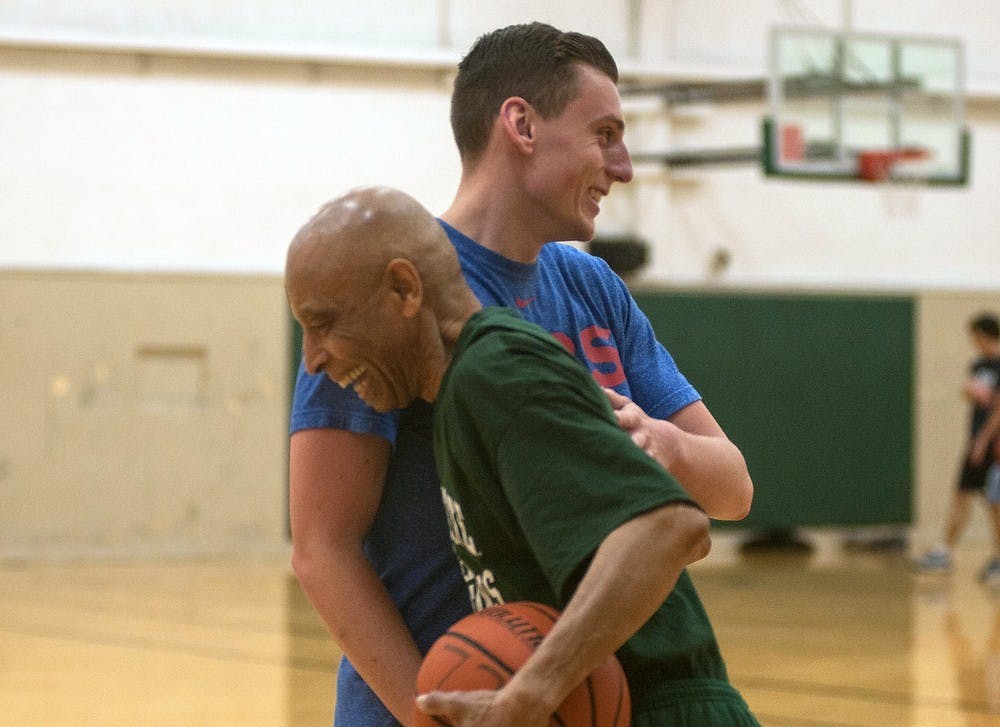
(624, 253)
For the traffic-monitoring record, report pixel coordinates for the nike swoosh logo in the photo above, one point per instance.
(523, 302)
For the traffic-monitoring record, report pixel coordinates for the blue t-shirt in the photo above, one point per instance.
(587, 308)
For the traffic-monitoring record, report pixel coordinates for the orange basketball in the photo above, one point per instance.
(482, 651)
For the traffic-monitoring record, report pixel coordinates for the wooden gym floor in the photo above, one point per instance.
(828, 640)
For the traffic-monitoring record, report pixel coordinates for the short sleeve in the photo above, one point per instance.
(319, 403)
(572, 476)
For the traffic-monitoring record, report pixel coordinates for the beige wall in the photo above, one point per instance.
(146, 414)
(141, 414)
(943, 354)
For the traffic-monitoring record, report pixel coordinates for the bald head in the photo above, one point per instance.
(366, 228)
(373, 279)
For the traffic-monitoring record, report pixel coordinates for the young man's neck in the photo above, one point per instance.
(493, 220)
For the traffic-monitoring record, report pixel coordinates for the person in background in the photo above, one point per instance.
(981, 390)
(537, 119)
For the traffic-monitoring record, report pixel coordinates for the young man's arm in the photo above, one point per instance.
(989, 431)
(632, 572)
(693, 448)
(335, 485)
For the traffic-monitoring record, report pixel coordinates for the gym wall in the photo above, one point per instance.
(157, 156)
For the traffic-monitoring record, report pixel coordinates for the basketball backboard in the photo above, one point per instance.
(864, 106)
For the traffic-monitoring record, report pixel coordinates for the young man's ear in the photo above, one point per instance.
(405, 287)
(517, 119)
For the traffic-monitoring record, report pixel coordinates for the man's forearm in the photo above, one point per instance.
(631, 574)
(713, 471)
(987, 433)
(365, 624)
(991, 428)
(693, 448)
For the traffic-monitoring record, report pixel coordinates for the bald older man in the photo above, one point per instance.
(549, 498)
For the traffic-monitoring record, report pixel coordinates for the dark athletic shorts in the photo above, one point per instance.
(973, 478)
(694, 703)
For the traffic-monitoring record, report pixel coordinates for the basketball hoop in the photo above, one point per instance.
(866, 107)
(901, 173)
(879, 165)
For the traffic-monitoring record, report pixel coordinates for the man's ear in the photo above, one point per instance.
(405, 286)
(517, 119)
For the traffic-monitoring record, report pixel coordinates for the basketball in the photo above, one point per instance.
(483, 650)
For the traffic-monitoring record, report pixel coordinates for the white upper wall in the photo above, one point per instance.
(719, 33)
(193, 136)
(182, 165)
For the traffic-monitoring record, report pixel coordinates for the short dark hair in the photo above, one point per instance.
(986, 324)
(534, 61)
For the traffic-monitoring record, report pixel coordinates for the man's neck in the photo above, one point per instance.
(448, 330)
(494, 221)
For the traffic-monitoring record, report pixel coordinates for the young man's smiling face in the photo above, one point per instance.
(578, 155)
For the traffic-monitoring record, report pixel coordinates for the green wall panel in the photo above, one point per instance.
(817, 390)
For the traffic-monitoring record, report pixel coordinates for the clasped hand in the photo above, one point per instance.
(482, 708)
(656, 437)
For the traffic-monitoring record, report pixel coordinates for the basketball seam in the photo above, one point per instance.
(593, 700)
(542, 609)
(622, 692)
(483, 650)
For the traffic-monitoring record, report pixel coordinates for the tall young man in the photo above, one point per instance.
(538, 123)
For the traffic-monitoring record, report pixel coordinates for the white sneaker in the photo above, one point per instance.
(934, 561)
(990, 574)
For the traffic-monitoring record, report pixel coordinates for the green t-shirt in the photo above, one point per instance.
(536, 472)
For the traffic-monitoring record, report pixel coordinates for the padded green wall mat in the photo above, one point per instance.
(817, 390)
